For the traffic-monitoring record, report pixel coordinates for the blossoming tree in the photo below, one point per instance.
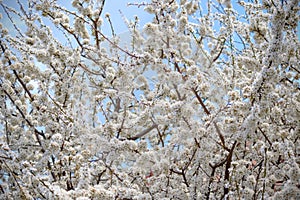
(203, 102)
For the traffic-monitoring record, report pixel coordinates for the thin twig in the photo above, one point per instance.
(144, 132)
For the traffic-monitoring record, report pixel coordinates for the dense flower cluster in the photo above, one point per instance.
(203, 102)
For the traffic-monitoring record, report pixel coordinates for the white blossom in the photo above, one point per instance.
(200, 102)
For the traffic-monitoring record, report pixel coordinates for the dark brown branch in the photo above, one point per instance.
(95, 21)
(228, 165)
(100, 175)
(295, 69)
(122, 123)
(257, 181)
(161, 135)
(184, 178)
(190, 160)
(219, 54)
(36, 132)
(266, 137)
(200, 101)
(176, 64)
(214, 167)
(17, 76)
(5, 157)
(208, 113)
(23, 85)
(220, 135)
(181, 173)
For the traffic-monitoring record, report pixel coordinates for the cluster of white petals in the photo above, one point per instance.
(203, 101)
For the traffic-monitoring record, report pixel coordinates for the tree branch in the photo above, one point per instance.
(228, 165)
(144, 132)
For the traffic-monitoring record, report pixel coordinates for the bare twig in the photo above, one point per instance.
(214, 167)
(208, 113)
(200, 101)
(228, 165)
(144, 132)
(266, 137)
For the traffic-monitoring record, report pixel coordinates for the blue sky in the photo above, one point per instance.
(129, 12)
(113, 7)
